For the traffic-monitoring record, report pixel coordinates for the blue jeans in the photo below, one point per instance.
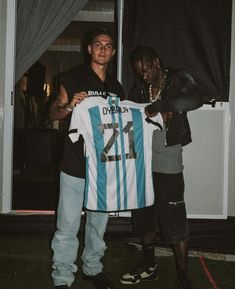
(65, 242)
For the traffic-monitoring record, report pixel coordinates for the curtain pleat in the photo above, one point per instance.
(39, 23)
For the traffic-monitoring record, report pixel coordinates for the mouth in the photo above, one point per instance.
(148, 81)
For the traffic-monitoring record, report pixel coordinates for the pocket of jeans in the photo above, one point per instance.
(178, 219)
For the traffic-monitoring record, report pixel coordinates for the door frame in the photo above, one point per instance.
(8, 107)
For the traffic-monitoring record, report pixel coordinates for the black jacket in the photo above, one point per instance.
(180, 94)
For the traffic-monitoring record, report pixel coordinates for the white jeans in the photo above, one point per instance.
(65, 242)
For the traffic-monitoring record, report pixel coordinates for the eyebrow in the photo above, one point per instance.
(107, 43)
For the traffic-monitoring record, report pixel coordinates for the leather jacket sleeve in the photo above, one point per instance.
(180, 94)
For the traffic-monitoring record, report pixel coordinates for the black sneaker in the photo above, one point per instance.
(61, 287)
(184, 283)
(100, 281)
(140, 273)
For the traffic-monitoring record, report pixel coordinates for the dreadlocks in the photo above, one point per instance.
(144, 54)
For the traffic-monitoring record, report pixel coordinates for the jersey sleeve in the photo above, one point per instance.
(79, 124)
(75, 128)
(156, 121)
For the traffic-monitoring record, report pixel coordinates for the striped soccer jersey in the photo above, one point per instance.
(118, 143)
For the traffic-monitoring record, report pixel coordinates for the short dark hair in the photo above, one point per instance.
(92, 34)
(144, 53)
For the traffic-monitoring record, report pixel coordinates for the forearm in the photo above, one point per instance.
(59, 111)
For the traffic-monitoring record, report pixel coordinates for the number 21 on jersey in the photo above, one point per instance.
(115, 133)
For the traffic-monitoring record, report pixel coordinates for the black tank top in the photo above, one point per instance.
(83, 78)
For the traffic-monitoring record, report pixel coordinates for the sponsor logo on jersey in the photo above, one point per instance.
(101, 93)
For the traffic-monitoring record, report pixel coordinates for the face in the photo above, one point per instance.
(101, 49)
(147, 70)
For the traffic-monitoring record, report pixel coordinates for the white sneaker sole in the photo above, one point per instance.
(126, 282)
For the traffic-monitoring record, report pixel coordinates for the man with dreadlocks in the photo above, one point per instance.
(173, 93)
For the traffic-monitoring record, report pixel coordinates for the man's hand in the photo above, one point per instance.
(167, 116)
(149, 114)
(61, 107)
(78, 98)
(154, 108)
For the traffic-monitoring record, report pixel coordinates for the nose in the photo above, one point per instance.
(103, 48)
(145, 76)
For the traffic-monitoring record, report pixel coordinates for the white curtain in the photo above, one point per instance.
(39, 23)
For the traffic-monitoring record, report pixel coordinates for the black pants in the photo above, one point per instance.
(168, 211)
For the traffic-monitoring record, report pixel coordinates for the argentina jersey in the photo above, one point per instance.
(118, 145)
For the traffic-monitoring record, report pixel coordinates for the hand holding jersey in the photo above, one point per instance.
(78, 98)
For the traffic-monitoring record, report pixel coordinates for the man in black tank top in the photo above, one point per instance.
(84, 81)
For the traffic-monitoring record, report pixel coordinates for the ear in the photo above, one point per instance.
(89, 49)
(114, 51)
